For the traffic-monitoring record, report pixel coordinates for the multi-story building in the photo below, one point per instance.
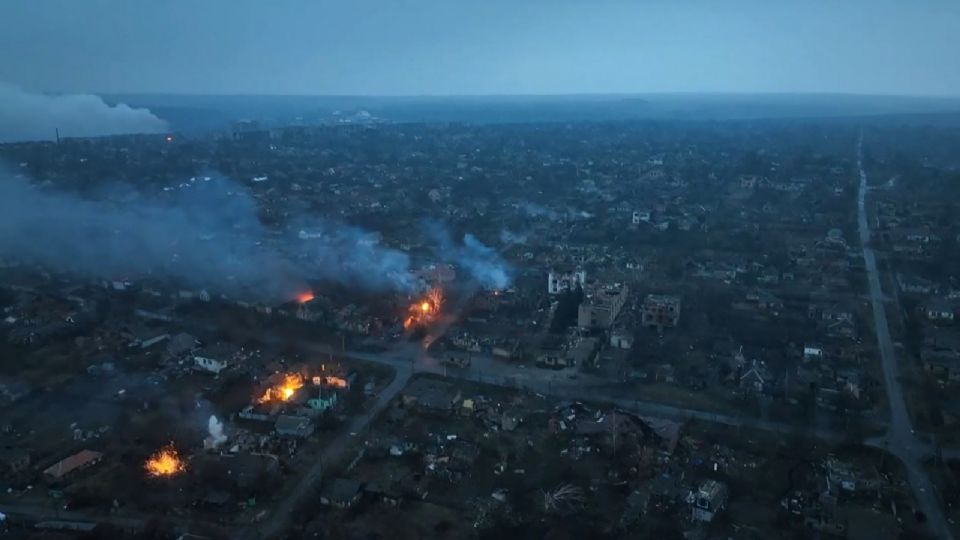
(661, 311)
(601, 306)
(558, 282)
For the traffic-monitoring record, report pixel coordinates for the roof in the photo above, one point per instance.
(76, 461)
(289, 423)
(218, 351)
(712, 489)
(181, 343)
(342, 490)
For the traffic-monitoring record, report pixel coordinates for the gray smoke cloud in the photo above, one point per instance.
(335, 250)
(206, 234)
(482, 262)
(27, 116)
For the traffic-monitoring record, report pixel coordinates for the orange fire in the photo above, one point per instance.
(425, 310)
(335, 382)
(305, 297)
(165, 462)
(284, 390)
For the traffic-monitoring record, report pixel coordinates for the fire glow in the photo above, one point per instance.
(334, 382)
(425, 310)
(284, 390)
(304, 297)
(165, 462)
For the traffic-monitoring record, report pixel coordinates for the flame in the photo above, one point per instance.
(425, 310)
(335, 382)
(284, 390)
(305, 297)
(165, 462)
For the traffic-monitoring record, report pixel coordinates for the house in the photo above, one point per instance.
(296, 427)
(551, 353)
(386, 492)
(939, 309)
(341, 493)
(812, 353)
(709, 500)
(180, 344)
(944, 365)
(755, 379)
(214, 358)
(915, 285)
(431, 395)
(850, 476)
(311, 310)
(584, 353)
(13, 461)
(660, 311)
(73, 463)
(621, 339)
(142, 336)
(209, 365)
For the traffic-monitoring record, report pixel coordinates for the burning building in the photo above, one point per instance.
(282, 391)
(165, 462)
(424, 310)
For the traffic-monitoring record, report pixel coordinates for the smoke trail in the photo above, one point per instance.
(30, 117)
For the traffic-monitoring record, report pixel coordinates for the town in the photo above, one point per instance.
(368, 329)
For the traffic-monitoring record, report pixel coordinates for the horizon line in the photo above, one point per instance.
(691, 93)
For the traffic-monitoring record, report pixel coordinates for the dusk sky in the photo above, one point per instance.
(441, 47)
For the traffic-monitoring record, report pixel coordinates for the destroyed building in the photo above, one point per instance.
(660, 311)
(601, 306)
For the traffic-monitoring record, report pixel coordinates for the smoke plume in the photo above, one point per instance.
(29, 117)
(201, 236)
(215, 428)
(484, 264)
(335, 250)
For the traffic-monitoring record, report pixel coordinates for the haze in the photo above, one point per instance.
(427, 47)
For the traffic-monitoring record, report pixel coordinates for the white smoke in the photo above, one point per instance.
(215, 427)
(30, 117)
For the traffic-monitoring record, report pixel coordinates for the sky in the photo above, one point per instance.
(456, 47)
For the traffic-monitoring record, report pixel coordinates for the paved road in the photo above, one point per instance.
(900, 439)
(333, 451)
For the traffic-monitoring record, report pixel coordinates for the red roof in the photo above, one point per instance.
(69, 464)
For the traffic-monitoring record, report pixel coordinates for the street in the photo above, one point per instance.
(900, 439)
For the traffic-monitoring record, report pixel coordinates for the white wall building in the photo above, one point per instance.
(558, 282)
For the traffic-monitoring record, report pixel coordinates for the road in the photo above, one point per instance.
(900, 439)
(410, 358)
(333, 451)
